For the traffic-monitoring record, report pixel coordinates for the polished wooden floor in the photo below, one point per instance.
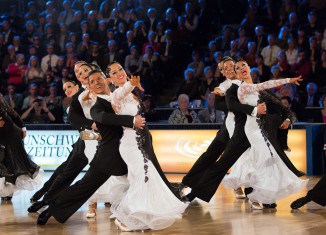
(223, 215)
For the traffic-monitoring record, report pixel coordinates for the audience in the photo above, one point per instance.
(172, 36)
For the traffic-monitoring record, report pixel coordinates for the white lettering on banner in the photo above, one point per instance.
(50, 148)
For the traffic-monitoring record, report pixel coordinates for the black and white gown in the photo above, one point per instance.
(260, 167)
(26, 174)
(149, 203)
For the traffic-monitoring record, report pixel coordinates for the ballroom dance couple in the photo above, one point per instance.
(150, 201)
(83, 151)
(266, 168)
(17, 171)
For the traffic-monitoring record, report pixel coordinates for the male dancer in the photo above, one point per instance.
(107, 161)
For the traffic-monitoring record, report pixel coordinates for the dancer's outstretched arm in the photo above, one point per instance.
(246, 88)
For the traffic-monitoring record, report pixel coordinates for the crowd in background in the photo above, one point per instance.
(168, 43)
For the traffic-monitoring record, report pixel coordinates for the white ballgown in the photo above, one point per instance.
(260, 167)
(148, 203)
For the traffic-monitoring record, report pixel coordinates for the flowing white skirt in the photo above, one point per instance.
(268, 175)
(145, 205)
(23, 182)
(113, 188)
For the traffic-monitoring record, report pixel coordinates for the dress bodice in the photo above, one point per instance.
(128, 106)
(124, 101)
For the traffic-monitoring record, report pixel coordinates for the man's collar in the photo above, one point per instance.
(237, 82)
(105, 97)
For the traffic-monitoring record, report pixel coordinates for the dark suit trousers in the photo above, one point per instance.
(212, 177)
(72, 198)
(205, 161)
(47, 185)
(318, 193)
(75, 165)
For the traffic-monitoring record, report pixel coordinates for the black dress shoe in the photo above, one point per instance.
(37, 195)
(36, 206)
(299, 202)
(43, 217)
(270, 206)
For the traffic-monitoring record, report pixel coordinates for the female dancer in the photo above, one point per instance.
(150, 202)
(261, 167)
(20, 172)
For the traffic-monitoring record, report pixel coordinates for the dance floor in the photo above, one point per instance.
(223, 215)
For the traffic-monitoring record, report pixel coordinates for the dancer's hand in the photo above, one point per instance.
(135, 81)
(139, 122)
(261, 108)
(217, 91)
(285, 124)
(296, 80)
(94, 127)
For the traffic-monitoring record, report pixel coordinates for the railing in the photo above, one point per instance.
(314, 135)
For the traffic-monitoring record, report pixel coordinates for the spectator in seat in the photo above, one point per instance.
(250, 57)
(310, 98)
(270, 52)
(182, 114)
(16, 72)
(210, 114)
(134, 62)
(189, 85)
(50, 60)
(54, 102)
(33, 95)
(34, 73)
(302, 67)
(291, 51)
(14, 99)
(197, 64)
(38, 113)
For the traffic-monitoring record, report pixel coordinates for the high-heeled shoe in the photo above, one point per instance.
(255, 205)
(120, 226)
(91, 213)
(239, 194)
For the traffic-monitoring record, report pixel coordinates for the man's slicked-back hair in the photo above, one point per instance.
(227, 58)
(96, 71)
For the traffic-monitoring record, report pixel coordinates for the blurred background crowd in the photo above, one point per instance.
(174, 45)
